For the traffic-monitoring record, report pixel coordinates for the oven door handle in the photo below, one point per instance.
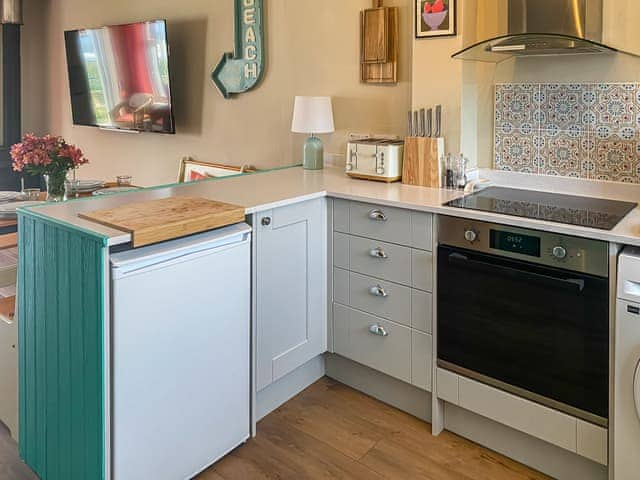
(573, 284)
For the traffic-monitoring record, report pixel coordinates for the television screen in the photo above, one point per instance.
(119, 77)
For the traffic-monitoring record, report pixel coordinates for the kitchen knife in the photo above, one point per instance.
(409, 124)
(429, 132)
(423, 117)
(416, 124)
(438, 121)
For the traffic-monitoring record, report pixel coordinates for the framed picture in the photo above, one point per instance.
(435, 18)
(192, 170)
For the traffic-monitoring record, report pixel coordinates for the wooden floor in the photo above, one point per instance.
(331, 431)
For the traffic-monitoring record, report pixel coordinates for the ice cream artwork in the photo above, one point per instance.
(435, 13)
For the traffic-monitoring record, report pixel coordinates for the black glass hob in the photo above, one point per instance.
(551, 207)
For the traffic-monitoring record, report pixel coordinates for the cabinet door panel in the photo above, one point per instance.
(291, 289)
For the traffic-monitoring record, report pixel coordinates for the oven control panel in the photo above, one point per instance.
(546, 248)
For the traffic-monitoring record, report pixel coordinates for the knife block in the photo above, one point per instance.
(421, 163)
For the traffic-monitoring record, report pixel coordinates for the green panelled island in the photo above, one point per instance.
(61, 292)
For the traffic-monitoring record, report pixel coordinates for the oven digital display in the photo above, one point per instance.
(515, 242)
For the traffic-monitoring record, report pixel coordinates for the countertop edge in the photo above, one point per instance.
(276, 189)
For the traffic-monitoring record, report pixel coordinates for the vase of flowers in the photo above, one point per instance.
(49, 156)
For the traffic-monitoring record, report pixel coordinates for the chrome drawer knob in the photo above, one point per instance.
(378, 291)
(378, 253)
(266, 221)
(377, 215)
(378, 330)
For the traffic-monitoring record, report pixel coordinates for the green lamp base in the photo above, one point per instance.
(313, 154)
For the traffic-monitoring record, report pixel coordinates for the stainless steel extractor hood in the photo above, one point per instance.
(545, 27)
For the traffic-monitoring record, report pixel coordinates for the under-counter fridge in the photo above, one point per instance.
(180, 317)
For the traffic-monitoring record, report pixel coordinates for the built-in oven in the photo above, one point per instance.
(527, 312)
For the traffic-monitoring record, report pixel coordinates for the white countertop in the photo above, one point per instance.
(264, 191)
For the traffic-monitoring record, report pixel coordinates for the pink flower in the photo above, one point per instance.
(74, 154)
(48, 154)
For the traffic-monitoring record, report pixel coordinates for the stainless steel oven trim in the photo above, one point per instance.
(584, 255)
(521, 392)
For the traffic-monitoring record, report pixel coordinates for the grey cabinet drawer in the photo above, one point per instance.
(390, 354)
(341, 250)
(380, 260)
(382, 223)
(422, 311)
(384, 299)
(383, 260)
(422, 230)
(341, 215)
(422, 270)
(403, 305)
(390, 224)
(421, 360)
(341, 286)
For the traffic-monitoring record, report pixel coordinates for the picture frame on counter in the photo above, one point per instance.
(435, 18)
(194, 170)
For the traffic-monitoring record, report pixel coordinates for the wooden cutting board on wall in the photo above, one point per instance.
(160, 220)
(379, 44)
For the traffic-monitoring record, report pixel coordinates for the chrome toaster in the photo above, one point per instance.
(375, 159)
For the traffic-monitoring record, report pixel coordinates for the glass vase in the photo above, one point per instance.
(56, 186)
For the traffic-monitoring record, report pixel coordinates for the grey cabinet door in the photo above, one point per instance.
(291, 288)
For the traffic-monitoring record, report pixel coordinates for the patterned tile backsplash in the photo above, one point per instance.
(574, 130)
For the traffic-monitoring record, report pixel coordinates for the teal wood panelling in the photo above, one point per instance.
(61, 371)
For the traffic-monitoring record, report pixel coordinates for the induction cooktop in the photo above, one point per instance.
(551, 207)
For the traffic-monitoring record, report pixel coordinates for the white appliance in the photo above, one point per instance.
(375, 159)
(180, 362)
(626, 428)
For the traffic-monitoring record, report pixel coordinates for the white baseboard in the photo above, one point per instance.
(387, 389)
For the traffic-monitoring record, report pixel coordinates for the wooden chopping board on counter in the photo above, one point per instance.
(168, 218)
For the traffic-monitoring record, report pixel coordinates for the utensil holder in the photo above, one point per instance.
(421, 164)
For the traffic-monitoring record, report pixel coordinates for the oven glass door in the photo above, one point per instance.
(540, 329)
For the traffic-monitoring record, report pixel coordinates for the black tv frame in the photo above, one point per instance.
(171, 131)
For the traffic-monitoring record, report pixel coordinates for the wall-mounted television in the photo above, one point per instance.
(119, 77)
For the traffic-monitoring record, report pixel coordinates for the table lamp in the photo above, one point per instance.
(313, 115)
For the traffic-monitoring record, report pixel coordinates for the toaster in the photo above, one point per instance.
(375, 159)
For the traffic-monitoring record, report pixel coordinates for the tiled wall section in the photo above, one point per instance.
(575, 130)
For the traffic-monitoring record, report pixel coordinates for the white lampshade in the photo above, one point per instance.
(313, 115)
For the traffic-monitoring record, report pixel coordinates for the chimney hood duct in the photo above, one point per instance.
(542, 27)
(11, 12)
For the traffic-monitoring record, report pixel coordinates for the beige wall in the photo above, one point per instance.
(437, 79)
(35, 116)
(313, 49)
